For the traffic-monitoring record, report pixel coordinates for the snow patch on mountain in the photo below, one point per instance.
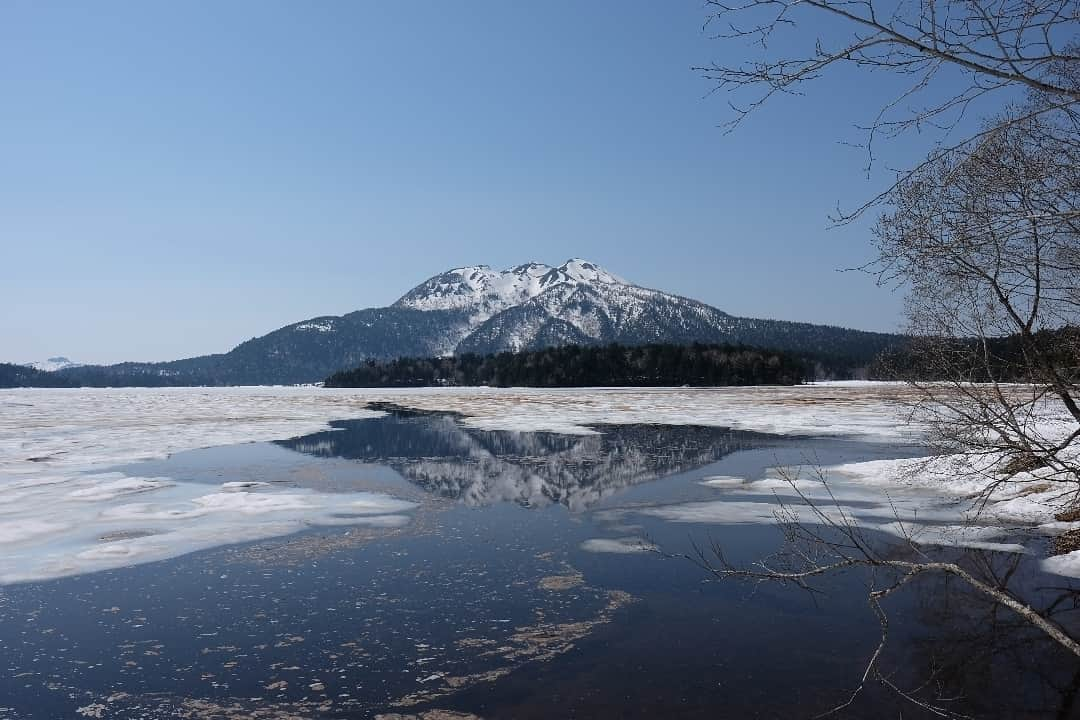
(52, 364)
(535, 305)
(321, 325)
(483, 292)
(477, 289)
(598, 312)
(480, 310)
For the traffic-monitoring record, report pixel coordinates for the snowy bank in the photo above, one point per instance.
(62, 513)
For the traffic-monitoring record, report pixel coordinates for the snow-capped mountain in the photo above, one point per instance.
(478, 309)
(52, 364)
(536, 305)
(481, 292)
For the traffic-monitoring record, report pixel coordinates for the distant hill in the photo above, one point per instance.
(52, 364)
(479, 310)
(12, 376)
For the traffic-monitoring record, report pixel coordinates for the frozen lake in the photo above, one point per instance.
(280, 553)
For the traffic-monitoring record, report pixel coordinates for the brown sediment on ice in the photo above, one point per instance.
(560, 582)
(430, 715)
(567, 581)
(1071, 514)
(540, 642)
(116, 535)
(475, 642)
(197, 709)
(122, 705)
(1067, 542)
(302, 549)
(184, 708)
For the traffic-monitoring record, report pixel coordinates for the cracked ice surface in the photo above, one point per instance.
(62, 511)
(62, 514)
(866, 410)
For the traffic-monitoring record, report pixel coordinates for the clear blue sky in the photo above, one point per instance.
(176, 177)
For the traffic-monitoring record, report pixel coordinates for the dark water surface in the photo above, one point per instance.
(487, 603)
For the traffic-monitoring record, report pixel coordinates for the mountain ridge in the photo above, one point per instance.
(479, 310)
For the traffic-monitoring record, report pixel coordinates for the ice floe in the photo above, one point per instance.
(922, 500)
(1067, 564)
(56, 503)
(1026, 499)
(104, 529)
(62, 513)
(623, 545)
(865, 410)
(915, 517)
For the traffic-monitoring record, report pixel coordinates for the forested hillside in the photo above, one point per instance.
(1000, 359)
(12, 376)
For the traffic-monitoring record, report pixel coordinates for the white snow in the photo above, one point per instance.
(916, 518)
(936, 500)
(932, 501)
(1067, 565)
(52, 364)
(484, 292)
(1027, 499)
(619, 546)
(724, 481)
(322, 325)
(101, 529)
(478, 289)
(112, 489)
(63, 512)
(864, 410)
(580, 293)
(922, 514)
(16, 531)
(589, 272)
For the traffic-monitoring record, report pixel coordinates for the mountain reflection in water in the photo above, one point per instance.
(480, 467)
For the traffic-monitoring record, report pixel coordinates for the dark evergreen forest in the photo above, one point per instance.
(589, 366)
(12, 376)
(1000, 359)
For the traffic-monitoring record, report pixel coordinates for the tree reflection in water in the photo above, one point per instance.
(966, 649)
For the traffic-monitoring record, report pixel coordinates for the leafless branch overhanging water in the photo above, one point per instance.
(821, 541)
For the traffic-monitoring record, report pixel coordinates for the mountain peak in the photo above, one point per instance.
(482, 292)
(469, 269)
(475, 309)
(590, 272)
(52, 364)
(530, 267)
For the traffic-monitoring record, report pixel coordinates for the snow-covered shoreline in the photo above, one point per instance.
(63, 513)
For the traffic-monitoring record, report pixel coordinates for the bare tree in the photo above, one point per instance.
(983, 235)
(821, 540)
(953, 55)
(982, 232)
(986, 240)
